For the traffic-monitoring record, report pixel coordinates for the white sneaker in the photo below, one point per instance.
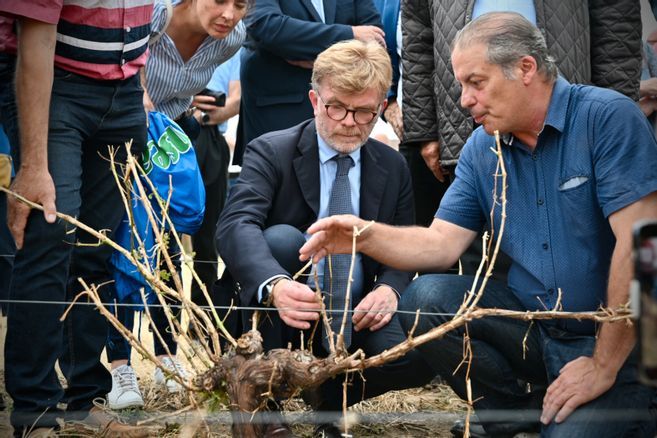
(125, 390)
(172, 366)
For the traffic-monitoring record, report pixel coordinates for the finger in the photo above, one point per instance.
(299, 315)
(554, 404)
(438, 173)
(567, 409)
(206, 107)
(17, 222)
(361, 310)
(49, 210)
(320, 254)
(301, 325)
(316, 228)
(385, 320)
(367, 320)
(302, 296)
(200, 98)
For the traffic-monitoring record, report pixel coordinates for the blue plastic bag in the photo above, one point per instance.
(170, 163)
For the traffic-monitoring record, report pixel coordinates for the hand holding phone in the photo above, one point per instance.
(219, 96)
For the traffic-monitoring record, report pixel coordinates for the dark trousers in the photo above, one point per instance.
(406, 372)
(85, 116)
(9, 122)
(213, 158)
(499, 361)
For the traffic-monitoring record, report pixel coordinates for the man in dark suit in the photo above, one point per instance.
(290, 179)
(283, 40)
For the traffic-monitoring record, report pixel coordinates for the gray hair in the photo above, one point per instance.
(508, 37)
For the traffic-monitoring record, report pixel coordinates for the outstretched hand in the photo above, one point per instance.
(331, 235)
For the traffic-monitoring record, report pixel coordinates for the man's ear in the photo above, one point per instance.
(384, 105)
(312, 95)
(528, 68)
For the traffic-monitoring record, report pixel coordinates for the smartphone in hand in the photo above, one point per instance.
(219, 96)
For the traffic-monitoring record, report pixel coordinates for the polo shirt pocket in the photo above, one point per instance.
(579, 205)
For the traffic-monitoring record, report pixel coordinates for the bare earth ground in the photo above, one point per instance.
(420, 412)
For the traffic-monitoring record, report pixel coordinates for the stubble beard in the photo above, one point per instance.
(334, 142)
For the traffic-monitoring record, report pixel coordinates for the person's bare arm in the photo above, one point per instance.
(430, 151)
(34, 78)
(394, 117)
(587, 378)
(219, 114)
(148, 103)
(405, 248)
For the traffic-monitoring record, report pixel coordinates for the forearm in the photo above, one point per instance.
(34, 78)
(223, 113)
(414, 248)
(616, 339)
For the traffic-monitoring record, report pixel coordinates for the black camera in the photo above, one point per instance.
(643, 298)
(219, 96)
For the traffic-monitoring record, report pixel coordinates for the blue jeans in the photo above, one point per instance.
(499, 362)
(86, 116)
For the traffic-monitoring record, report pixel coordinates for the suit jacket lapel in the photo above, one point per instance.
(306, 166)
(372, 182)
(311, 9)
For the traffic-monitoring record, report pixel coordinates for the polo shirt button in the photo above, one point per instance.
(534, 157)
(540, 202)
(545, 245)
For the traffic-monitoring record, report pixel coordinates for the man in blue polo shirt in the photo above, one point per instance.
(582, 169)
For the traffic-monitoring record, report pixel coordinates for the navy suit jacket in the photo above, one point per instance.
(279, 184)
(275, 92)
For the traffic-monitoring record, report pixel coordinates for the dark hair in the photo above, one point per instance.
(508, 37)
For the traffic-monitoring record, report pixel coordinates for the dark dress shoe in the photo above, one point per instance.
(327, 430)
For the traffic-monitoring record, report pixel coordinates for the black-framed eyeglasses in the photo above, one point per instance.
(339, 113)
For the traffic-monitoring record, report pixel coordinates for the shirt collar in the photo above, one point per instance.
(558, 108)
(326, 152)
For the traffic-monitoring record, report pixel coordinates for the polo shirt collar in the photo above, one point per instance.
(558, 108)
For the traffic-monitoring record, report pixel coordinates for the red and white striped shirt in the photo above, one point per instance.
(100, 39)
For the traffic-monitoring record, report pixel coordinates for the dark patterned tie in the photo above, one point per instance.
(335, 277)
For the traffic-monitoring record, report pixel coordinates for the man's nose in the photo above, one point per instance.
(467, 100)
(350, 119)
